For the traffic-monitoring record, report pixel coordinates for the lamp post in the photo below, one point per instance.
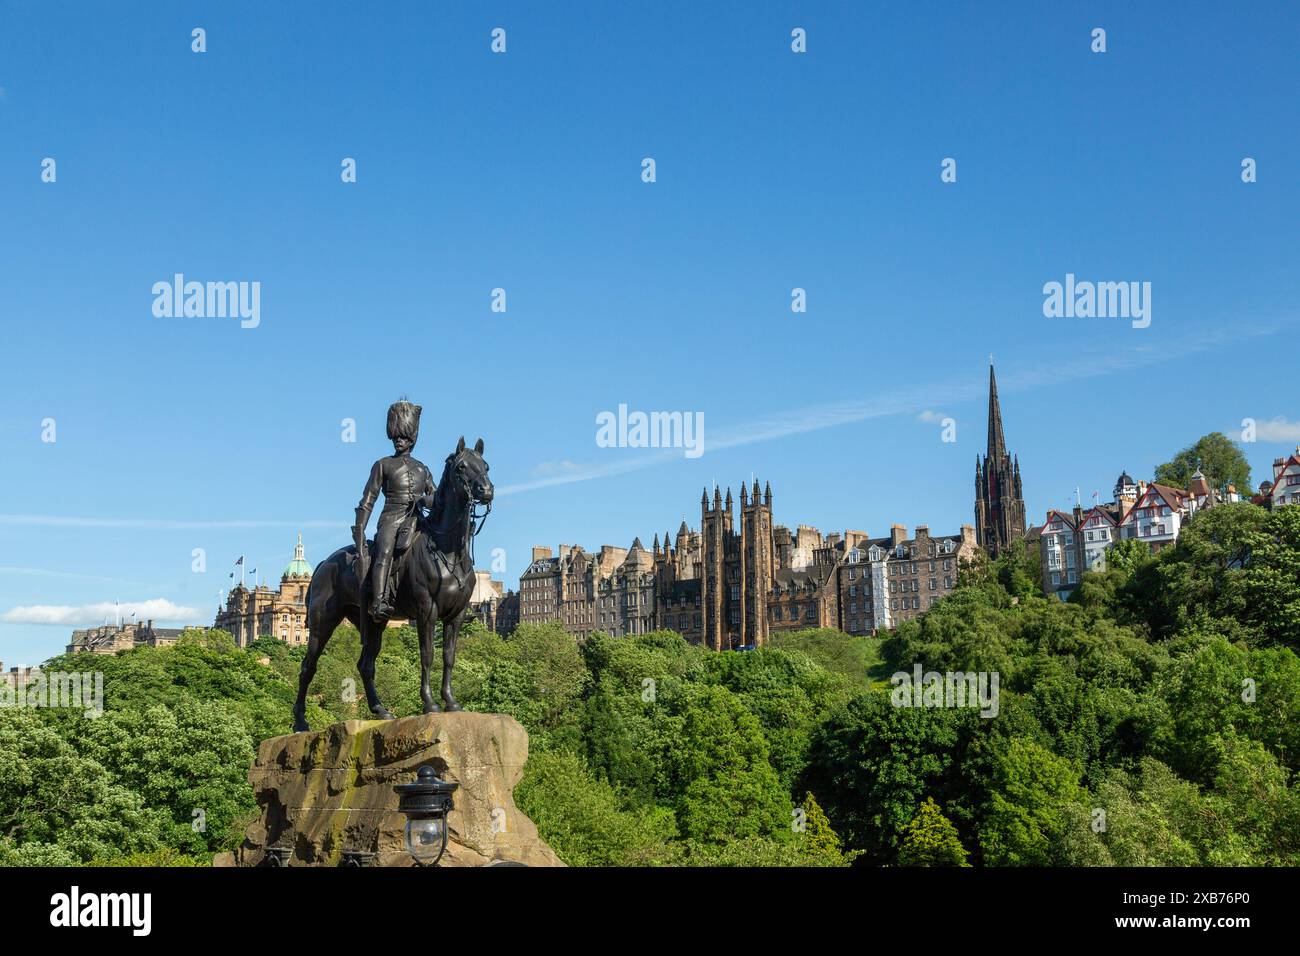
(425, 802)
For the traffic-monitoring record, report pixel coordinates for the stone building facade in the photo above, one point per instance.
(111, 638)
(612, 590)
(741, 578)
(258, 611)
(495, 607)
(886, 581)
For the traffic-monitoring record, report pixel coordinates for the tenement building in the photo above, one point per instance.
(742, 577)
(258, 611)
(1072, 543)
(1284, 489)
(886, 581)
(495, 607)
(999, 498)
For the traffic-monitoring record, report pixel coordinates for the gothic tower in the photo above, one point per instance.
(715, 533)
(757, 564)
(999, 499)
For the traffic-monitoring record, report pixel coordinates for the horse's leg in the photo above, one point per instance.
(321, 622)
(450, 632)
(372, 638)
(426, 624)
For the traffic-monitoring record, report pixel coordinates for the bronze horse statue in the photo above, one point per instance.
(435, 568)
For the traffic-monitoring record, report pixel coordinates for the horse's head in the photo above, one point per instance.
(468, 473)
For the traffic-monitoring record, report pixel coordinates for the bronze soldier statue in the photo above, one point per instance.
(407, 486)
(432, 585)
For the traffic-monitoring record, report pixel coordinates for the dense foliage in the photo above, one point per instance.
(1217, 456)
(1152, 720)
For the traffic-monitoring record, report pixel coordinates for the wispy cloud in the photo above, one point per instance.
(930, 416)
(1142, 350)
(550, 469)
(1278, 429)
(46, 572)
(155, 524)
(157, 609)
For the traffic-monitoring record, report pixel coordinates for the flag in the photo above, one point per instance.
(240, 561)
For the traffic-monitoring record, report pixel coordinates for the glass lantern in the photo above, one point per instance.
(426, 802)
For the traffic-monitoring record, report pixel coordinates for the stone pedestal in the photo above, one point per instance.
(329, 791)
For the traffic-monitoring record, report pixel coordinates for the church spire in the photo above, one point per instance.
(999, 496)
(997, 449)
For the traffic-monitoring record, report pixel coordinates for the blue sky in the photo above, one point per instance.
(522, 171)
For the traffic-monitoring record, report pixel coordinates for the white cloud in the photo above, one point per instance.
(157, 609)
(931, 416)
(1278, 429)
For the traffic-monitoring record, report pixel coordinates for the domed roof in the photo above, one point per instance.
(298, 567)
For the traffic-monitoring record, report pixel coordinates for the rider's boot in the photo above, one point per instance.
(379, 606)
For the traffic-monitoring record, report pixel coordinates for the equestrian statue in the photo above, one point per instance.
(423, 567)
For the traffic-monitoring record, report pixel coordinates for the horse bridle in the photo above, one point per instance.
(477, 519)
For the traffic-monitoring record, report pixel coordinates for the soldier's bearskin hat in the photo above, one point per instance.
(404, 421)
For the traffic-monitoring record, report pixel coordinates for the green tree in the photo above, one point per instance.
(1126, 555)
(1027, 813)
(820, 841)
(583, 819)
(873, 763)
(930, 839)
(1219, 458)
(721, 782)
